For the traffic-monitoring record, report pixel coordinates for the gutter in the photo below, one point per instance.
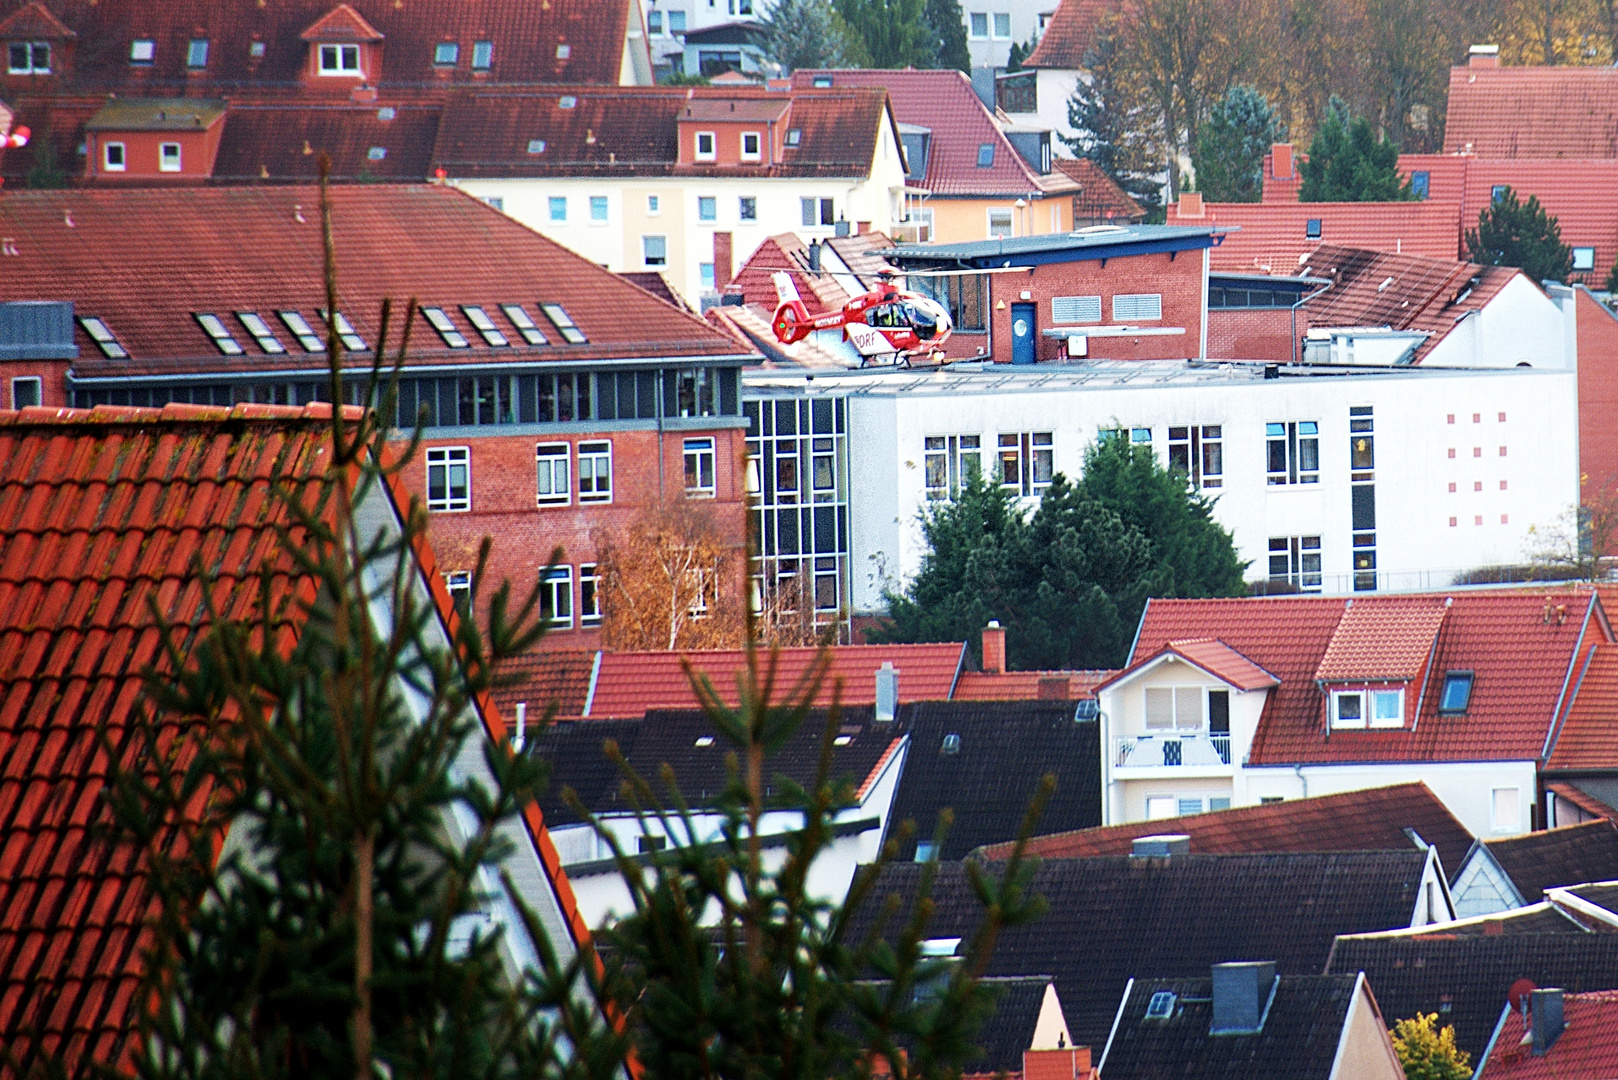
(775, 840)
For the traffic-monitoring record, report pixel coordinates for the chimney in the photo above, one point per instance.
(814, 256)
(1067, 1063)
(721, 261)
(1483, 56)
(1545, 1011)
(1190, 205)
(1281, 161)
(1241, 994)
(1162, 846)
(887, 691)
(994, 648)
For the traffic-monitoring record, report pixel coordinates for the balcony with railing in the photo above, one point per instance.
(1184, 751)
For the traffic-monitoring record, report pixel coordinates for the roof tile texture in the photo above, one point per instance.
(1070, 34)
(1370, 643)
(1571, 855)
(1533, 112)
(1217, 658)
(1273, 238)
(1028, 685)
(1586, 1050)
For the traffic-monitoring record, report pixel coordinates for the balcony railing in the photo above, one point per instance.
(1171, 750)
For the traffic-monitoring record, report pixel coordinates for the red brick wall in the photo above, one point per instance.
(1256, 334)
(1598, 397)
(52, 375)
(524, 534)
(198, 149)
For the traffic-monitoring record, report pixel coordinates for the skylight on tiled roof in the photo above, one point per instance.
(446, 329)
(345, 330)
(261, 332)
(536, 146)
(794, 136)
(301, 330)
(567, 101)
(525, 325)
(376, 153)
(484, 325)
(219, 334)
(103, 338)
(564, 322)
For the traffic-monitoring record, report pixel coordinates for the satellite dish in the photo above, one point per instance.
(1518, 994)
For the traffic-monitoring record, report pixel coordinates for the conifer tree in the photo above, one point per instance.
(948, 26)
(1348, 162)
(1114, 124)
(808, 34)
(1521, 234)
(1229, 155)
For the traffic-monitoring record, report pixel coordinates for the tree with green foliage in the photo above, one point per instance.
(893, 33)
(1427, 1051)
(1348, 162)
(808, 34)
(45, 172)
(678, 77)
(948, 26)
(1114, 124)
(1231, 144)
(1020, 51)
(1520, 234)
(1069, 581)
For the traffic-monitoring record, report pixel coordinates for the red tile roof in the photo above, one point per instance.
(1371, 643)
(34, 20)
(341, 23)
(634, 131)
(1219, 659)
(1369, 820)
(283, 140)
(944, 102)
(103, 513)
(1099, 196)
(787, 252)
(1405, 292)
(1273, 238)
(1071, 33)
(225, 250)
(1589, 737)
(630, 683)
(526, 37)
(1522, 644)
(1029, 685)
(545, 677)
(1586, 802)
(1586, 1050)
(1533, 112)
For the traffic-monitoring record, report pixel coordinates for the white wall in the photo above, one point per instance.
(1521, 325)
(1481, 888)
(1053, 87)
(891, 414)
(993, 50)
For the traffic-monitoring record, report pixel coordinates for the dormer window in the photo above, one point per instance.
(705, 146)
(340, 60)
(1457, 693)
(446, 54)
(1367, 708)
(28, 58)
(750, 146)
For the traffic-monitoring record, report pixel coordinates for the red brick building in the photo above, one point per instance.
(558, 400)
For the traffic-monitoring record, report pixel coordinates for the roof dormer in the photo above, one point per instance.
(343, 47)
(746, 131)
(36, 43)
(1376, 664)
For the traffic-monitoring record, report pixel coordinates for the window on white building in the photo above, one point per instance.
(558, 208)
(951, 461)
(818, 212)
(1025, 461)
(979, 22)
(1506, 809)
(655, 250)
(748, 208)
(707, 208)
(598, 209)
(1292, 452)
(1296, 561)
(1002, 25)
(1159, 807)
(1199, 452)
(449, 478)
(551, 460)
(1174, 708)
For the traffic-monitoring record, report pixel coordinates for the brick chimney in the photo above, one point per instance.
(1483, 56)
(1191, 204)
(994, 648)
(722, 263)
(1281, 155)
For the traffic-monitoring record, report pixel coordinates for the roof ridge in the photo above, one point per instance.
(174, 412)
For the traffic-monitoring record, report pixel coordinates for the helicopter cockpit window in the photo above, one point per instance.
(922, 321)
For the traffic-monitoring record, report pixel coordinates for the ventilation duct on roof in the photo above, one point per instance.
(887, 691)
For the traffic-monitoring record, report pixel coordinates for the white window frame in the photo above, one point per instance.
(599, 202)
(1298, 570)
(972, 25)
(38, 384)
(458, 583)
(654, 205)
(1368, 698)
(1514, 796)
(556, 587)
(957, 457)
(1178, 696)
(595, 471)
(707, 202)
(698, 452)
(446, 459)
(741, 209)
(552, 203)
(342, 54)
(167, 161)
(31, 68)
(553, 461)
(646, 255)
(757, 153)
(107, 164)
(1161, 800)
(1292, 434)
(994, 25)
(589, 594)
(710, 154)
(1003, 218)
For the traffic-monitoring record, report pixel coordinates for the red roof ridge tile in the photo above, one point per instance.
(341, 23)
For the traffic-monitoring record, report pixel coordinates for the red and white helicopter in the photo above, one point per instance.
(887, 321)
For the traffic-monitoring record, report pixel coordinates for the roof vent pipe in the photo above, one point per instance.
(887, 691)
(814, 256)
(520, 734)
(1546, 1015)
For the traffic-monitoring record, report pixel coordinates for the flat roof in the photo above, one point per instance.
(1094, 242)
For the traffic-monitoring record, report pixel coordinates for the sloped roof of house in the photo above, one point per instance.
(985, 761)
(1570, 855)
(34, 20)
(543, 677)
(1405, 292)
(787, 253)
(1520, 643)
(1371, 820)
(1099, 194)
(1172, 918)
(634, 131)
(1587, 1049)
(1533, 112)
(943, 102)
(258, 249)
(1370, 643)
(1464, 978)
(1586, 802)
(103, 513)
(1273, 238)
(525, 40)
(1303, 1025)
(156, 114)
(283, 140)
(1070, 34)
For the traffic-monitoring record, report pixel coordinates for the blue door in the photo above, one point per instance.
(1022, 333)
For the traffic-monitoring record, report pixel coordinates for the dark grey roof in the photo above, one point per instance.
(1004, 749)
(735, 33)
(574, 749)
(1571, 855)
(1111, 918)
(1093, 239)
(1006, 1034)
(1298, 1041)
(1604, 894)
(1464, 979)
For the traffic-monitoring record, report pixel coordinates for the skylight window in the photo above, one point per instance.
(482, 55)
(525, 324)
(536, 146)
(563, 52)
(1457, 693)
(794, 136)
(564, 322)
(822, 82)
(261, 332)
(446, 329)
(567, 101)
(951, 745)
(142, 51)
(301, 330)
(446, 53)
(345, 330)
(376, 153)
(196, 53)
(484, 325)
(103, 338)
(216, 330)
(386, 112)
(985, 155)
(1161, 1007)
(1311, 229)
